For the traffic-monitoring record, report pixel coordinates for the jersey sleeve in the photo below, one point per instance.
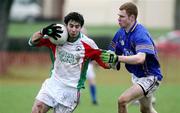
(93, 52)
(42, 42)
(144, 43)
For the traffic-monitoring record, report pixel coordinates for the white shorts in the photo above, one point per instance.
(148, 84)
(61, 98)
(90, 72)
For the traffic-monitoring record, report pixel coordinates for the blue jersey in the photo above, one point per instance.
(137, 40)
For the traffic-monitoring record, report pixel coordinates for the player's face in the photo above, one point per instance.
(124, 20)
(73, 28)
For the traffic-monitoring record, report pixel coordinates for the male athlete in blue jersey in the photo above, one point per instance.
(133, 45)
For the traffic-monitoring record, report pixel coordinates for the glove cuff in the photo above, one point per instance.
(116, 60)
(113, 58)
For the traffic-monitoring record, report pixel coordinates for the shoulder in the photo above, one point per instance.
(120, 31)
(140, 32)
(86, 38)
(88, 41)
(140, 29)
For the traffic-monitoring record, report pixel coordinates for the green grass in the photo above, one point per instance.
(21, 30)
(17, 98)
(20, 99)
(20, 85)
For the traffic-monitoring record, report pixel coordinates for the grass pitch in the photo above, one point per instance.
(21, 84)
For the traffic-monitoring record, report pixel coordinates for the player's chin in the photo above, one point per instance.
(120, 25)
(73, 35)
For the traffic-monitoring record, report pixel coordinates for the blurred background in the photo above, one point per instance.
(23, 69)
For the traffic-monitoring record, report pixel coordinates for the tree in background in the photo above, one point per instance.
(177, 15)
(5, 7)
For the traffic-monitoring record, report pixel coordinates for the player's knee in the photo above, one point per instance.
(145, 110)
(37, 108)
(122, 101)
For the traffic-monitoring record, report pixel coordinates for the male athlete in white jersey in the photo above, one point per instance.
(70, 62)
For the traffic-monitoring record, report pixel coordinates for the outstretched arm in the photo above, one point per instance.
(111, 57)
(50, 31)
(134, 59)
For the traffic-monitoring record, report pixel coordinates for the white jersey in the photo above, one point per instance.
(71, 60)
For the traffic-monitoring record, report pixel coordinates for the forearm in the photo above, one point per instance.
(36, 37)
(102, 64)
(134, 59)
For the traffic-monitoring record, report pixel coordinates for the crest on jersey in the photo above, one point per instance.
(78, 48)
(122, 42)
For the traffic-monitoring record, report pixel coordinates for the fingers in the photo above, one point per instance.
(54, 37)
(50, 26)
(58, 35)
(105, 57)
(57, 27)
(59, 31)
(108, 56)
(54, 24)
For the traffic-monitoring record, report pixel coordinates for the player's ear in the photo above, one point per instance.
(132, 17)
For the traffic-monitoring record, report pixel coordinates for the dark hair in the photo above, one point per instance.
(130, 8)
(75, 16)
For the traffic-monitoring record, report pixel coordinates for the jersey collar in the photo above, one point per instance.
(133, 27)
(74, 39)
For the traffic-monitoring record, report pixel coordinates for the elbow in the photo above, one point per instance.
(140, 58)
(140, 61)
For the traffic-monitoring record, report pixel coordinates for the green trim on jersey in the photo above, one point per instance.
(31, 43)
(83, 74)
(52, 56)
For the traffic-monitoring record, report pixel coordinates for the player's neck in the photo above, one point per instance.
(129, 27)
(73, 39)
